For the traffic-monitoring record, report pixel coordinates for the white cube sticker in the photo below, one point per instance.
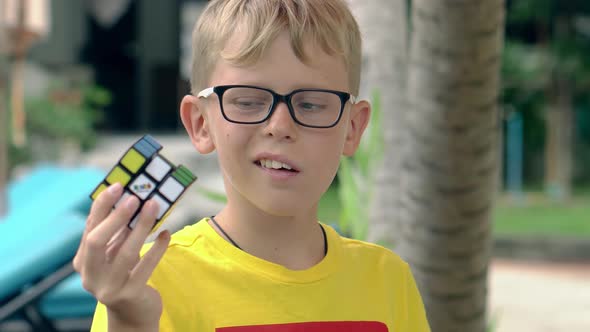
(163, 205)
(171, 189)
(158, 168)
(142, 186)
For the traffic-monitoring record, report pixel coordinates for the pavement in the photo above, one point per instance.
(539, 296)
(524, 296)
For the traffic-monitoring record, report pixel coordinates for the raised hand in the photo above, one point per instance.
(109, 262)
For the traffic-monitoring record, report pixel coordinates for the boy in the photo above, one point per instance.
(273, 86)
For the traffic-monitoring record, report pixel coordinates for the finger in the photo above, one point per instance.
(96, 242)
(99, 211)
(144, 269)
(105, 231)
(128, 255)
(116, 242)
(147, 219)
(103, 205)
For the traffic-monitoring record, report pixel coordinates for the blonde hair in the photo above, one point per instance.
(328, 24)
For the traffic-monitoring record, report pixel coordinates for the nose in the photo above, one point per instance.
(281, 124)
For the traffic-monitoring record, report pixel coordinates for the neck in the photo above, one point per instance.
(295, 242)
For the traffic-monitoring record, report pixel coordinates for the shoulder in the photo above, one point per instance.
(370, 254)
(372, 251)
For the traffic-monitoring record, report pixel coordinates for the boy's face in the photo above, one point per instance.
(313, 154)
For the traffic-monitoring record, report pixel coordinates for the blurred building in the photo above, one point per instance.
(138, 50)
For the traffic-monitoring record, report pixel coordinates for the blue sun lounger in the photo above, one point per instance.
(68, 300)
(39, 237)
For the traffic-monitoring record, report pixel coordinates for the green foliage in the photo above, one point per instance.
(546, 39)
(213, 195)
(523, 11)
(352, 195)
(526, 73)
(62, 114)
(329, 207)
(547, 47)
(68, 114)
(493, 323)
(356, 177)
(525, 67)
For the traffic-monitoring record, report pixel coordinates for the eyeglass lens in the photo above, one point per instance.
(250, 105)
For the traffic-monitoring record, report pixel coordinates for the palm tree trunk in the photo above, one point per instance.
(450, 172)
(383, 24)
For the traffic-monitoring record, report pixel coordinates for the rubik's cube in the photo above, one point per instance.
(145, 173)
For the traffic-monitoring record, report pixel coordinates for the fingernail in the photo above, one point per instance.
(132, 203)
(164, 235)
(114, 188)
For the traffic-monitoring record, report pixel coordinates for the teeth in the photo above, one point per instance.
(274, 164)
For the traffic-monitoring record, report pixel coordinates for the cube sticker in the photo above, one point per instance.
(158, 168)
(146, 174)
(133, 160)
(145, 149)
(118, 175)
(163, 205)
(101, 187)
(171, 189)
(142, 187)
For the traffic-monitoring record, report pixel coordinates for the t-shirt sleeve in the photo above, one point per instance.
(416, 314)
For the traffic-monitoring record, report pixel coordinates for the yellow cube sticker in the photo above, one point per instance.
(118, 175)
(98, 190)
(133, 160)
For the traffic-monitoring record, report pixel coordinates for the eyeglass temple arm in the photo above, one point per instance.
(205, 93)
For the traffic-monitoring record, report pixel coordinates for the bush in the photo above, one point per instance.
(62, 114)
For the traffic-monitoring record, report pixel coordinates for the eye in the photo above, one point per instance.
(310, 106)
(249, 103)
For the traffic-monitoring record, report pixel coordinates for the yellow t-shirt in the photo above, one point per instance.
(207, 284)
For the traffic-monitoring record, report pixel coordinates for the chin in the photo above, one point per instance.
(284, 208)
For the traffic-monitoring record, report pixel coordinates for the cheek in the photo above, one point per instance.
(337, 152)
(327, 155)
(232, 145)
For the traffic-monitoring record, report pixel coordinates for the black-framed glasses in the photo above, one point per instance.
(245, 104)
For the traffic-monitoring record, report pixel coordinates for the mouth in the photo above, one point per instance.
(275, 165)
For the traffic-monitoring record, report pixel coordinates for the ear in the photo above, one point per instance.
(194, 119)
(357, 123)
